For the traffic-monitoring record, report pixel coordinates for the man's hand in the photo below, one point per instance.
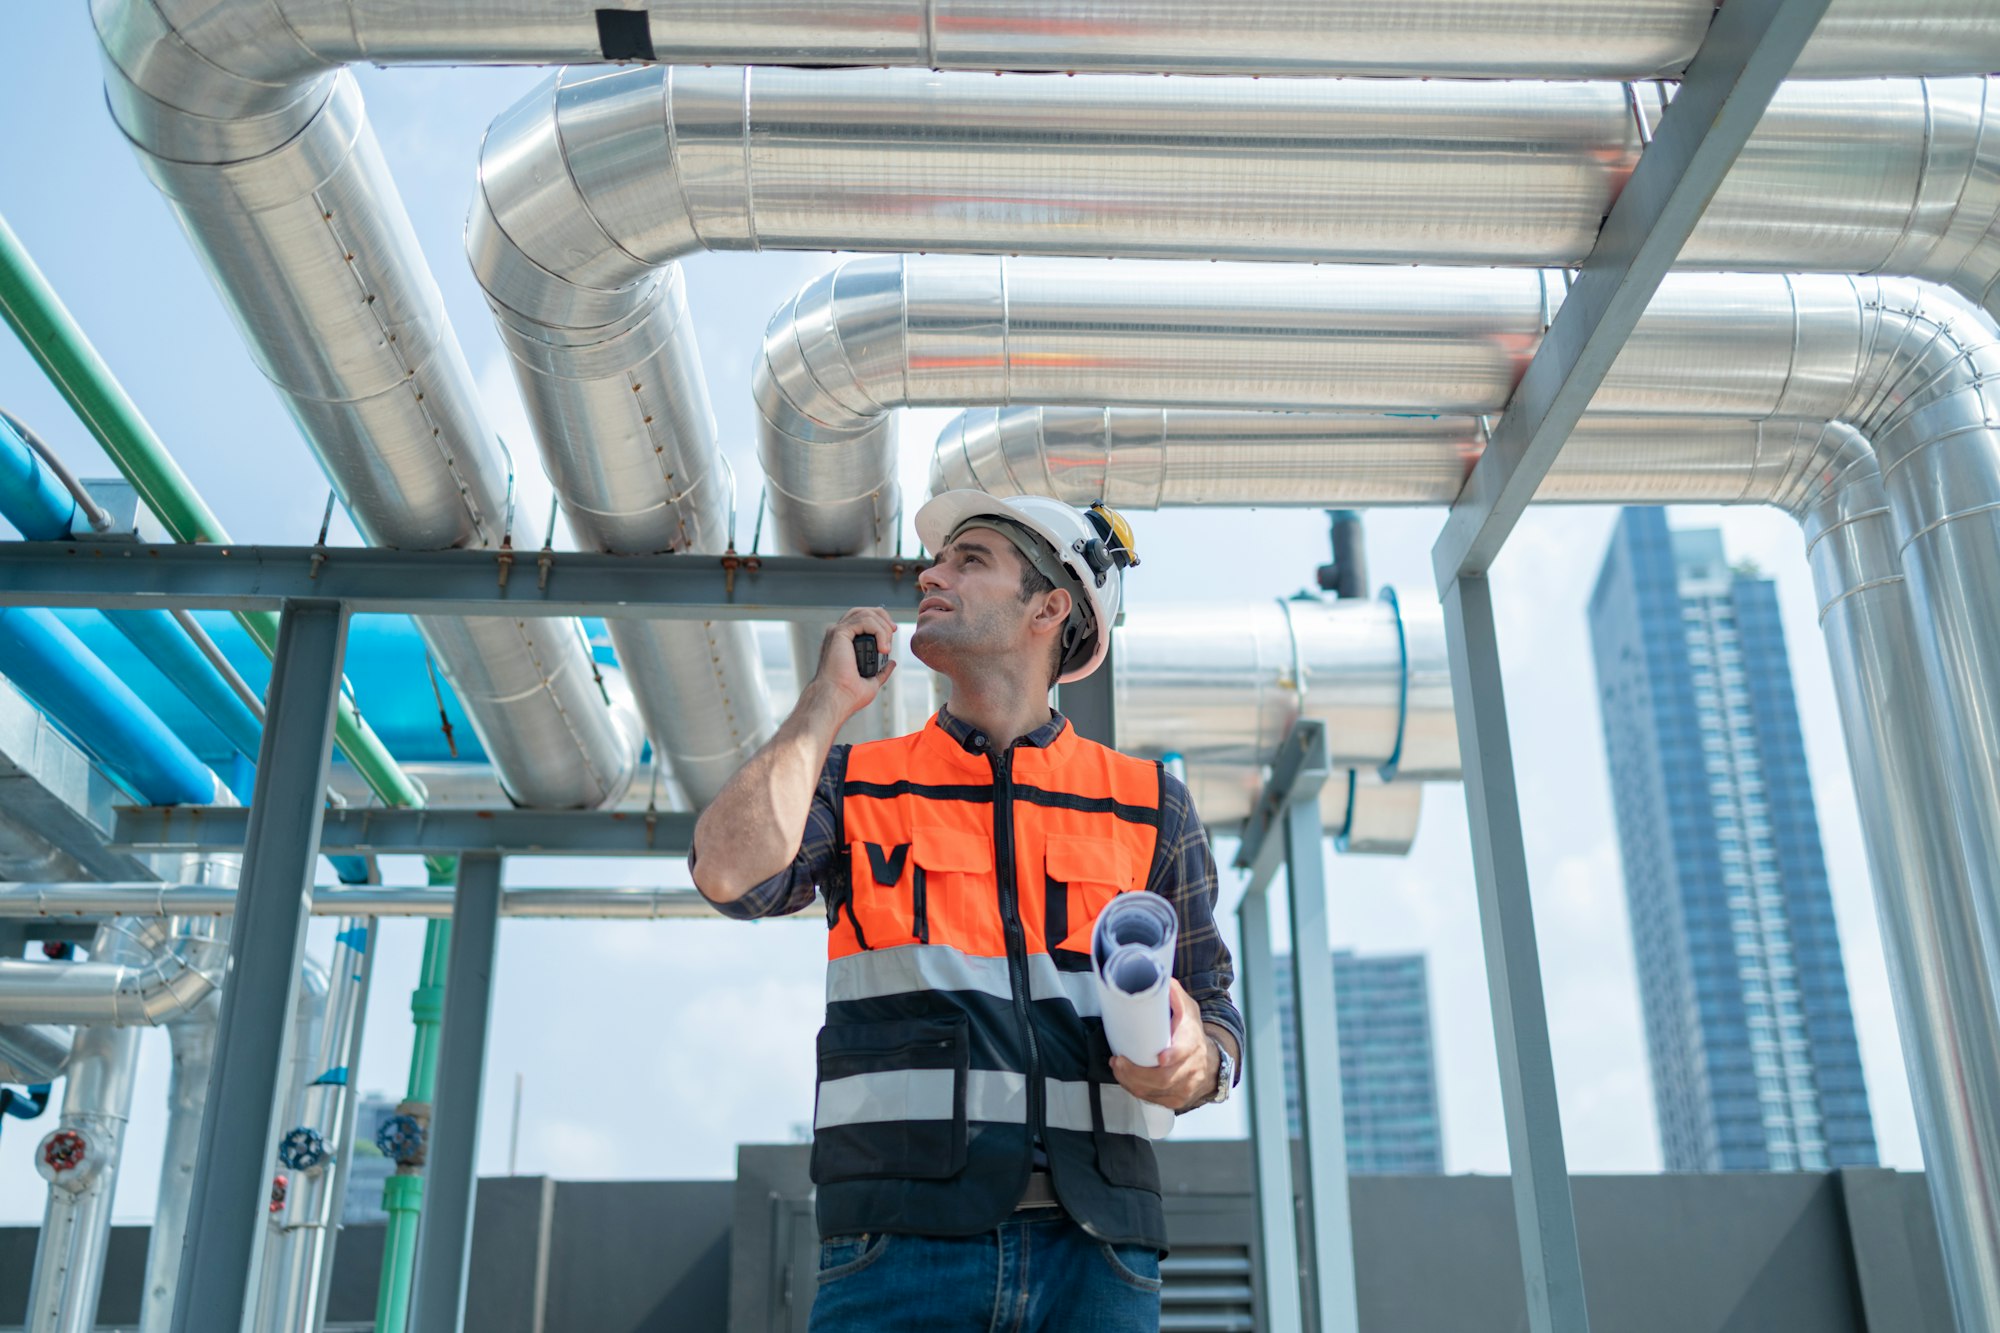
(837, 674)
(1186, 1071)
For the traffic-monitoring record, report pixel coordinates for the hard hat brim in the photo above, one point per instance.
(948, 511)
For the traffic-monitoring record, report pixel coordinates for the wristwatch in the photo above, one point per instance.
(1225, 1074)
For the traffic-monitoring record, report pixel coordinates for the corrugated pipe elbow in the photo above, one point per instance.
(830, 371)
(184, 960)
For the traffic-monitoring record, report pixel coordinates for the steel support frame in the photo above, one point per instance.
(1285, 831)
(373, 580)
(1750, 47)
(239, 1132)
(444, 1241)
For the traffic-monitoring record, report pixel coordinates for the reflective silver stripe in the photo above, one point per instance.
(1047, 982)
(923, 1094)
(914, 967)
(1069, 1108)
(893, 1094)
(993, 1094)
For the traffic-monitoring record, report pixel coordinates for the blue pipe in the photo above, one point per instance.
(30, 496)
(52, 667)
(38, 506)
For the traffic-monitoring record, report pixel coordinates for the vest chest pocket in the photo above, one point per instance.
(891, 1100)
(1083, 875)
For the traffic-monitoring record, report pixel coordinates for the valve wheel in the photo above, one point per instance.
(280, 1187)
(303, 1149)
(64, 1150)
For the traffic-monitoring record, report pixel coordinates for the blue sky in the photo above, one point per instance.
(650, 1050)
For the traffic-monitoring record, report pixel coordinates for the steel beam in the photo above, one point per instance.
(427, 832)
(1294, 776)
(444, 1244)
(1316, 1032)
(239, 1131)
(456, 582)
(1544, 1212)
(1750, 47)
(1270, 1134)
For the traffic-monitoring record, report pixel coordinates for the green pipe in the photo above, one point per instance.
(403, 1193)
(31, 307)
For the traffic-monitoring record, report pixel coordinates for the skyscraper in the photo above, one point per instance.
(1387, 1071)
(1751, 1038)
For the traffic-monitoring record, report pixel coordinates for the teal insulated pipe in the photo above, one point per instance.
(40, 507)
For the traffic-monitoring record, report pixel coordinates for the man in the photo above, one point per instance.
(980, 1156)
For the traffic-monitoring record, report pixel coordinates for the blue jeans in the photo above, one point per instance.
(1040, 1273)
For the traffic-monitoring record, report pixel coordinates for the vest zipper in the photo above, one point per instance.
(1010, 921)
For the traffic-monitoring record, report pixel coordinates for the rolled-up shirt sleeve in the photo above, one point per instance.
(1184, 873)
(793, 888)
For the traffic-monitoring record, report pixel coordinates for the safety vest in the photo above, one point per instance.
(962, 1015)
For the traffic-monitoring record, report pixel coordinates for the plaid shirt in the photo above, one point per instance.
(1183, 873)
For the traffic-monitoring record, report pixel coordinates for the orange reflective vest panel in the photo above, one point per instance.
(962, 1016)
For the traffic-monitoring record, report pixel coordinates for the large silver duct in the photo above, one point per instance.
(192, 1037)
(284, 193)
(595, 183)
(80, 1158)
(603, 177)
(158, 973)
(1220, 686)
(252, 46)
(1827, 477)
(619, 405)
(193, 1044)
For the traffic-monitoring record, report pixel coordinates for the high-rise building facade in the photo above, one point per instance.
(1754, 1061)
(1388, 1073)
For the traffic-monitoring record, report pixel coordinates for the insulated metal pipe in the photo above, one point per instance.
(30, 1054)
(193, 1042)
(160, 971)
(238, 52)
(79, 1158)
(309, 1022)
(299, 1257)
(597, 179)
(300, 226)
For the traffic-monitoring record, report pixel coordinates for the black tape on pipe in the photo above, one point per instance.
(625, 34)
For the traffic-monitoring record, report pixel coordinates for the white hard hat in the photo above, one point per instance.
(1093, 546)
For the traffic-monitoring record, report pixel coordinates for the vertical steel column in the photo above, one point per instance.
(267, 941)
(1316, 1033)
(444, 1240)
(1090, 704)
(1544, 1213)
(1264, 1096)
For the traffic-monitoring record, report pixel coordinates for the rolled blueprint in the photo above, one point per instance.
(1133, 948)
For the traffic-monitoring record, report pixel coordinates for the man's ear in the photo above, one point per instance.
(1054, 610)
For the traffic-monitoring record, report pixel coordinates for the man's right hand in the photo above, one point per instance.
(838, 676)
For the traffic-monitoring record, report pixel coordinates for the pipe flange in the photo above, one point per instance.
(304, 1149)
(66, 1158)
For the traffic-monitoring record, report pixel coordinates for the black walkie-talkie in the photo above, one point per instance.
(867, 657)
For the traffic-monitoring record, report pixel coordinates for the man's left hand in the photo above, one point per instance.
(1186, 1069)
